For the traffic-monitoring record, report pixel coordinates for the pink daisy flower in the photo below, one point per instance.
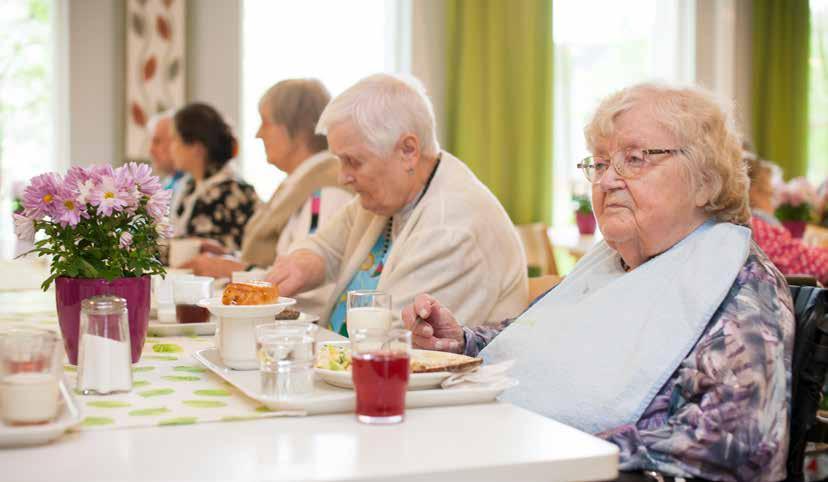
(24, 228)
(111, 195)
(159, 204)
(69, 210)
(39, 198)
(143, 178)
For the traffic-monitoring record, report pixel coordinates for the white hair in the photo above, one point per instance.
(153, 121)
(383, 107)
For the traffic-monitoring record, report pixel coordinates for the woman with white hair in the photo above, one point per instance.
(673, 337)
(421, 220)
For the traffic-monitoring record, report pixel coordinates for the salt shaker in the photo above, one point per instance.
(104, 356)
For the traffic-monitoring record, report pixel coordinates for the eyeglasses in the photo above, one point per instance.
(628, 163)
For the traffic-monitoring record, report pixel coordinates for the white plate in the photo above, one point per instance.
(246, 311)
(328, 399)
(181, 329)
(416, 381)
(69, 416)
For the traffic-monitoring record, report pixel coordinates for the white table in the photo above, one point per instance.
(476, 443)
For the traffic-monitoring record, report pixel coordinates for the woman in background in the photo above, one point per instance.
(212, 202)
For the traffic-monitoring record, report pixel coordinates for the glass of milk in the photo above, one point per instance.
(30, 372)
(368, 310)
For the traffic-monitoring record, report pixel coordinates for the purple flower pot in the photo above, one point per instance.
(585, 222)
(69, 292)
(796, 228)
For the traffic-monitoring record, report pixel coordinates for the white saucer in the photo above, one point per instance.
(245, 311)
(69, 416)
(416, 381)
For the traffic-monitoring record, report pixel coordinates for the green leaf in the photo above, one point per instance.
(181, 378)
(189, 369)
(212, 393)
(108, 404)
(204, 403)
(145, 412)
(178, 421)
(97, 421)
(166, 348)
(156, 392)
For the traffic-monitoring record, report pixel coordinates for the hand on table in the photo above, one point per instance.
(212, 246)
(216, 266)
(436, 328)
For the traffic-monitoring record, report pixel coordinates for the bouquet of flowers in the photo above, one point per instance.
(98, 222)
(796, 200)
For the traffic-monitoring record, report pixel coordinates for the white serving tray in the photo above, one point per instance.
(157, 328)
(69, 415)
(330, 399)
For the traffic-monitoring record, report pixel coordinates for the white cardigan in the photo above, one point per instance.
(457, 244)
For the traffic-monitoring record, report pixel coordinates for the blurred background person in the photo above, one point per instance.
(789, 254)
(304, 201)
(160, 126)
(213, 202)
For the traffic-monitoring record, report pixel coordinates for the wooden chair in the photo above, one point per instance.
(541, 284)
(538, 247)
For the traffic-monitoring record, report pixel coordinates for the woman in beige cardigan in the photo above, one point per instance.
(422, 220)
(306, 199)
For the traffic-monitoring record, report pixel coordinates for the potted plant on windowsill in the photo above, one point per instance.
(583, 214)
(796, 202)
(101, 227)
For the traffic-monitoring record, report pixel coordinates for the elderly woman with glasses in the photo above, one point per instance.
(672, 338)
(421, 220)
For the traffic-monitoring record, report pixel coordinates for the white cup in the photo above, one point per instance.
(183, 250)
(162, 294)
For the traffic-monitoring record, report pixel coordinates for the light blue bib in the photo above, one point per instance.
(595, 351)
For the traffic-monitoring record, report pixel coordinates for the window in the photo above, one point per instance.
(26, 101)
(818, 94)
(630, 41)
(337, 42)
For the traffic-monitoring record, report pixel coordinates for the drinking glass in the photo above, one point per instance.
(368, 310)
(187, 292)
(379, 366)
(104, 354)
(30, 371)
(286, 355)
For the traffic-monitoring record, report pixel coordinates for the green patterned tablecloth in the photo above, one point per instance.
(169, 386)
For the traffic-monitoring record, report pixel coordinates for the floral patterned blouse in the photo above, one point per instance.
(723, 414)
(221, 212)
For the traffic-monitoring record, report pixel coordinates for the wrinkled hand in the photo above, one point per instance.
(212, 246)
(300, 271)
(216, 266)
(436, 328)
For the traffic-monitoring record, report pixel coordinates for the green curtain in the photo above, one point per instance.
(499, 99)
(781, 45)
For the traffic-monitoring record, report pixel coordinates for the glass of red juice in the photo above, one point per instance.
(380, 366)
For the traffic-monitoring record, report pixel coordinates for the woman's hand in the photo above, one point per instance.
(432, 325)
(300, 271)
(212, 246)
(216, 266)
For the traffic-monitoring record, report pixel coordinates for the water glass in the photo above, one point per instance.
(30, 372)
(380, 362)
(104, 354)
(187, 292)
(286, 356)
(368, 310)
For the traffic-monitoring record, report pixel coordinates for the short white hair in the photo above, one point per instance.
(383, 107)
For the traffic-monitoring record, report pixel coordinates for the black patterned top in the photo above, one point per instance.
(221, 212)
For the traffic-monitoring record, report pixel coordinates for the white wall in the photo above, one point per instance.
(95, 70)
(428, 60)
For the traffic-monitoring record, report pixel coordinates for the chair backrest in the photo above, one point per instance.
(810, 362)
(538, 247)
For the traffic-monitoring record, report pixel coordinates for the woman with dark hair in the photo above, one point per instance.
(213, 203)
